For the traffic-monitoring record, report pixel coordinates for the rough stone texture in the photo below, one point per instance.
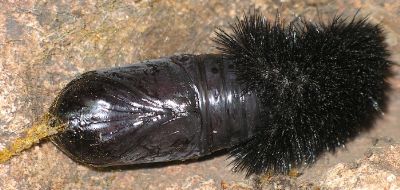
(378, 171)
(45, 44)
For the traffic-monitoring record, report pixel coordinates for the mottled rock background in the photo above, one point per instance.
(45, 44)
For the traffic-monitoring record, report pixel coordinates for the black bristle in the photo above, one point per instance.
(319, 85)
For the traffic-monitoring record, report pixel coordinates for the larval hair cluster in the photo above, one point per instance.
(319, 85)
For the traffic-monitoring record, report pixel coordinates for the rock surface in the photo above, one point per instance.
(45, 44)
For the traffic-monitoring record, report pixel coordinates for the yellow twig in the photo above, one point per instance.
(33, 135)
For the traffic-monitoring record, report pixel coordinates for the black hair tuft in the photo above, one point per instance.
(319, 85)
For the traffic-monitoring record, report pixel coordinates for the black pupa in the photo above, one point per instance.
(278, 96)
